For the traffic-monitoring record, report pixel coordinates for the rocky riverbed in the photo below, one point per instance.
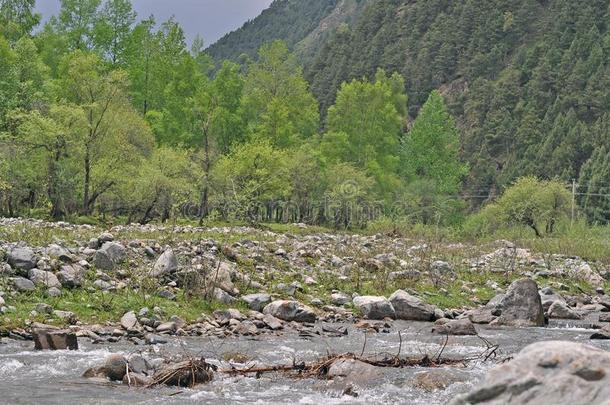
(244, 298)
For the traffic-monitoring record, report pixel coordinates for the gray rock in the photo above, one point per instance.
(22, 258)
(560, 310)
(43, 278)
(522, 305)
(481, 316)
(105, 237)
(129, 320)
(546, 373)
(102, 285)
(355, 372)
(411, 308)
(290, 311)
(548, 297)
(54, 292)
(167, 327)
(67, 316)
(340, 299)
(138, 364)
(115, 367)
(71, 275)
(54, 340)
(222, 296)
(375, 308)
(167, 263)
(458, 327)
(257, 302)
(109, 255)
(272, 322)
(23, 284)
(55, 251)
(167, 294)
(43, 308)
(220, 277)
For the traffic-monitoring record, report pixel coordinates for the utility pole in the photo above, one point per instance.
(573, 201)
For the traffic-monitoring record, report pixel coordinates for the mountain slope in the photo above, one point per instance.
(302, 24)
(528, 80)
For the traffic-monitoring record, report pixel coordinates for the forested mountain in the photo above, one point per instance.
(303, 25)
(527, 80)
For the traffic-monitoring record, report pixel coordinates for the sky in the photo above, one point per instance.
(209, 18)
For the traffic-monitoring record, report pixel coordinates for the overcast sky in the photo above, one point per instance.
(209, 18)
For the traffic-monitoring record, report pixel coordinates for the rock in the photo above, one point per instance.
(2, 302)
(434, 380)
(355, 372)
(22, 258)
(605, 317)
(410, 308)
(167, 327)
(256, 302)
(289, 290)
(481, 316)
(168, 295)
(115, 367)
(375, 308)
(108, 256)
(133, 379)
(167, 263)
(71, 276)
(220, 277)
(548, 297)
(138, 364)
(102, 285)
(522, 305)
(43, 278)
(54, 292)
(55, 251)
(67, 316)
(129, 320)
(222, 296)
(458, 327)
(272, 322)
(546, 373)
(340, 299)
(23, 284)
(105, 237)
(246, 328)
(290, 311)
(43, 308)
(54, 340)
(560, 310)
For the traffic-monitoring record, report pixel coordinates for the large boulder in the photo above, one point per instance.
(410, 308)
(290, 311)
(109, 255)
(522, 305)
(22, 259)
(375, 308)
(54, 340)
(115, 367)
(43, 278)
(166, 263)
(546, 373)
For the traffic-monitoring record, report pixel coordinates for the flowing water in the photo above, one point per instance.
(28, 377)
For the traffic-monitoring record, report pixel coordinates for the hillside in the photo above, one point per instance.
(527, 79)
(304, 25)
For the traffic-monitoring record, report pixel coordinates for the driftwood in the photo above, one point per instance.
(184, 374)
(320, 368)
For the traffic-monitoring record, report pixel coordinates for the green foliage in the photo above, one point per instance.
(534, 203)
(17, 18)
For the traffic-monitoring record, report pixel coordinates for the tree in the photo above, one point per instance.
(115, 135)
(277, 103)
(77, 21)
(112, 30)
(431, 149)
(365, 127)
(17, 18)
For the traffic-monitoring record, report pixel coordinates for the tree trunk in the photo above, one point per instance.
(204, 209)
(87, 182)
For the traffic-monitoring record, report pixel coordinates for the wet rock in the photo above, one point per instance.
(290, 311)
(522, 305)
(54, 340)
(133, 379)
(559, 310)
(109, 255)
(458, 327)
(434, 380)
(167, 263)
(115, 367)
(185, 374)
(23, 284)
(546, 373)
(138, 364)
(354, 372)
(410, 308)
(257, 302)
(129, 320)
(375, 308)
(22, 258)
(43, 278)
